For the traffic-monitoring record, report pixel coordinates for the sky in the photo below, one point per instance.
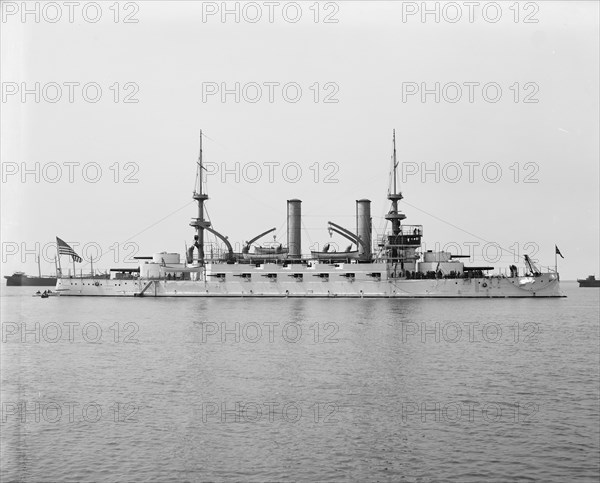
(496, 114)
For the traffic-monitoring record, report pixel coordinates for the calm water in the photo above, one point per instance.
(328, 390)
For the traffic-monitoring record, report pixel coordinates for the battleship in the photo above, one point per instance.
(390, 266)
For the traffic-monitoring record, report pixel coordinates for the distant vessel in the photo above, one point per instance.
(396, 268)
(589, 282)
(20, 279)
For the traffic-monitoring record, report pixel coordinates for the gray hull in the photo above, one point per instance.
(546, 285)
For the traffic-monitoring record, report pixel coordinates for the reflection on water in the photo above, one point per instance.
(192, 389)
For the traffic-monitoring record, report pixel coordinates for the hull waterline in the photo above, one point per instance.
(25, 281)
(488, 287)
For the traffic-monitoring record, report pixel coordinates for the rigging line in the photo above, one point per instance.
(329, 215)
(382, 224)
(367, 182)
(348, 188)
(159, 221)
(120, 244)
(216, 238)
(214, 141)
(228, 151)
(279, 233)
(207, 214)
(306, 232)
(247, 195)
(457, 227)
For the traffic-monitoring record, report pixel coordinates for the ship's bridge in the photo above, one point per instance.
(409, 236)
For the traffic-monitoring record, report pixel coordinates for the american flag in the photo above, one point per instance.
(64, 249)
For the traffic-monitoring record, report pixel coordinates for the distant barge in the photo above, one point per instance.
(19, 279)
(589, 282)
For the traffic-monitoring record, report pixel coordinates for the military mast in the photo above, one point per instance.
(199, 223)
(393, 215)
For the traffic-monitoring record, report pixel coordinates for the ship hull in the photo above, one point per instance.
(589, 283)
(30, 281)
(489, 287)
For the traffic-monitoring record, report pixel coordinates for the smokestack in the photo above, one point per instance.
(363, 228)
(294, 210)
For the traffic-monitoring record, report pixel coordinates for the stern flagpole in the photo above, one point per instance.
(57, 258)
(65, 249)
(556, 254)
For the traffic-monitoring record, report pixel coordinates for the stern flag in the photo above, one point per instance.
(64, 249)
(557, 251)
